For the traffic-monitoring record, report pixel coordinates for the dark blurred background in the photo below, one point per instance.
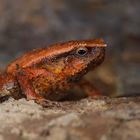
(28, 24)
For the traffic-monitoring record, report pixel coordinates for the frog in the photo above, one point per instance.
(46, 74)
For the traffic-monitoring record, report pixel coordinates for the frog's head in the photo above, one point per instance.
(75, 58)
(85, 56)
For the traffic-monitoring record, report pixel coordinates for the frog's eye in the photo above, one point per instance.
(82, 51)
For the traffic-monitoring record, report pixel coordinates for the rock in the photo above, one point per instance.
(87, 119)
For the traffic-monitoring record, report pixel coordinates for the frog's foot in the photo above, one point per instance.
(94, 93)
(47, 103)
(90, 90)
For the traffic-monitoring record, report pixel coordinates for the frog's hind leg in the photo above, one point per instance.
(9, 87)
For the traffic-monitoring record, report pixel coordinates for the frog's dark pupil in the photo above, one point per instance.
(82, 52)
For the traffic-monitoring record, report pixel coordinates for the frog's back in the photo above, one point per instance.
(37, 55)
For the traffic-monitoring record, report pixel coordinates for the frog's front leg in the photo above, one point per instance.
(24, 77)
(89, 89)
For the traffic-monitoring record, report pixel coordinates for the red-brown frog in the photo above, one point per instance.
(48, 73)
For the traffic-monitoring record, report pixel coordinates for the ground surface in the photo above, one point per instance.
(88, 119)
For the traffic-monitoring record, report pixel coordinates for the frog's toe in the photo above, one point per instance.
(47, 103)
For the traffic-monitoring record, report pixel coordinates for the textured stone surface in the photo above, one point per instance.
(88, 119)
